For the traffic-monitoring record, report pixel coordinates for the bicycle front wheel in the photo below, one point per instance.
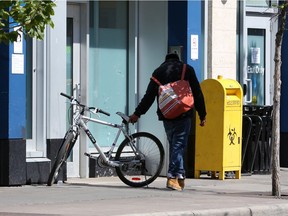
(141, 160)
(61, 157)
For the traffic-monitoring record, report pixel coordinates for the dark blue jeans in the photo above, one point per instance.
(177, 132)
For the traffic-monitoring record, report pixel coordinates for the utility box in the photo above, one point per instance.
(218, 144)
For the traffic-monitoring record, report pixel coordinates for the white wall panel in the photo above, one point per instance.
(56, 74)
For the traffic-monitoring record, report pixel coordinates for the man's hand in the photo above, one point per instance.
(203, 122)
(133, 118)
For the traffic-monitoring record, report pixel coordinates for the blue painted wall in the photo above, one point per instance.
(184, 19)
(17, 101)
(177, 25)
(284, 86)
(195, 27)
(12, 96)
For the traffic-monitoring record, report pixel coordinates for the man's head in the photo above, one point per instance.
(172, 56)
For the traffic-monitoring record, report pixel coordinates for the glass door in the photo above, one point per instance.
(257, 72)
(36, 99)
(108, 78)
(31, 97)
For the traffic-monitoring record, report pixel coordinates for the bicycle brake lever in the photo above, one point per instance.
(94, 111)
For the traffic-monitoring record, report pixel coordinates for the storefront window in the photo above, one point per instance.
(256, 64)
(260, 3)
(69, 71)
(107, 84)
(69, 64)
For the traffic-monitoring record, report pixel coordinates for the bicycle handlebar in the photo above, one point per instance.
(103, 112)
(67, 96)
(97, 110)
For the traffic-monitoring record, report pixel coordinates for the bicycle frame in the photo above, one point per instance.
(80, 123)
(93, 140)
(132, 161)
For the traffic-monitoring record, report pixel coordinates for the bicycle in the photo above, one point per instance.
(138, 160)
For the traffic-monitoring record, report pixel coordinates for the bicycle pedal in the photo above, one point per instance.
(90, 156)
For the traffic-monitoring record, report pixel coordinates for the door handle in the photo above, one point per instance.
(249, 88)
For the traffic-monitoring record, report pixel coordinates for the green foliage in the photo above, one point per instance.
(27, 16)
(283, 5)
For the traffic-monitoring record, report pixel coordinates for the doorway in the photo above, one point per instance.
(257, 73)
(73, 71)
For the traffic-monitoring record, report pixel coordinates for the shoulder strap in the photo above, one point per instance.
(183, 72)
(155, 80)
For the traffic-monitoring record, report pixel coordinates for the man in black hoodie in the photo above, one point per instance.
(178, 129)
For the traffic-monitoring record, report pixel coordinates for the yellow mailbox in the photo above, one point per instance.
(218, 143)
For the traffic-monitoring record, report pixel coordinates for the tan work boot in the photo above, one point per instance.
(181, 183)
(172, 183)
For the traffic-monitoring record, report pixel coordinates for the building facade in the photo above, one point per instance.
(284, 103)
(107, 50)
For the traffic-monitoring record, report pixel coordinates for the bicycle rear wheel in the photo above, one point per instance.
(142, 167)
(61, 157)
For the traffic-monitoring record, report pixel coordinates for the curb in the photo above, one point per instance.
(263, 210)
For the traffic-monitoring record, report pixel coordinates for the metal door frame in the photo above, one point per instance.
(257, 22)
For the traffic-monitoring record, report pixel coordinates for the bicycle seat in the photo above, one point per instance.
(123, 116)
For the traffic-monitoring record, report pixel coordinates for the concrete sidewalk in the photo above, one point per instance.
(251, 195)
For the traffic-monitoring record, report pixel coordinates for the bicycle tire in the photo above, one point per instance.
(145, 171)
(61, 157)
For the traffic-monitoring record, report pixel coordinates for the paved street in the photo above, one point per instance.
(251, 195)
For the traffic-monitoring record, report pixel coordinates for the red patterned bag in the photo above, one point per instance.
(175, 98)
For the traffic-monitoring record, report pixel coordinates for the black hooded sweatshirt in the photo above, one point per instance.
(170, 71)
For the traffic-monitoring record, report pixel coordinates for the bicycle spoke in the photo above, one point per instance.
(142, 168)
